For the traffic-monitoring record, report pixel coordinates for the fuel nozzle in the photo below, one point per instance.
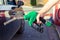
(31, 17)
(46, 22)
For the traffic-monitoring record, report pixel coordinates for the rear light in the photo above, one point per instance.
(2, 14)
(2, 18)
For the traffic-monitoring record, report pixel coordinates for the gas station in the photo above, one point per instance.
(18, 16)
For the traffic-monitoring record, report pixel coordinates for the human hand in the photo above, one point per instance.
(38, 17)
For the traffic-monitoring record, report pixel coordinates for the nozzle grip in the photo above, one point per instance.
(41, 19)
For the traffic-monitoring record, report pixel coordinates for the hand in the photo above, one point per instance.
(38, 17)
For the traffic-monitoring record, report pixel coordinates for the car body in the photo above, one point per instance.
(16, 26)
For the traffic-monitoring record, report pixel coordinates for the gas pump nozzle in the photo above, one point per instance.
(31, 17)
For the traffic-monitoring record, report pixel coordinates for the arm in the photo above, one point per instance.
(48, 6)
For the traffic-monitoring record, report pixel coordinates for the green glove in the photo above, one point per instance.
(31, 17)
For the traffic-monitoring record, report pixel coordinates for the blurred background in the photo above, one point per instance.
(20, 29)
(30, 2)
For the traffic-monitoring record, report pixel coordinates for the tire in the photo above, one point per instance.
(20, 31)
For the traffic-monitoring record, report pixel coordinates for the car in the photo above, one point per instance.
(9, 28)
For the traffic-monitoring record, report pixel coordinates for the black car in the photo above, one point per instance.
(9, 28)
